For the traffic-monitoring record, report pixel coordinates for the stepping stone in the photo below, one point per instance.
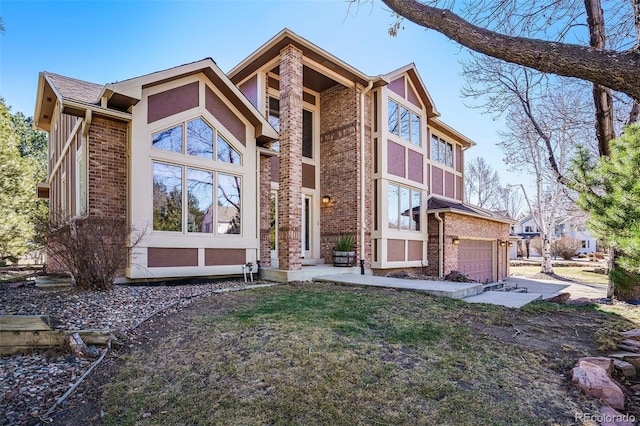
(631, 334)
(630, 357)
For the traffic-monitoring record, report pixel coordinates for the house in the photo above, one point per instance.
(567, 226)
(269, 163)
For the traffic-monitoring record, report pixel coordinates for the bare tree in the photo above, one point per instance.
(512, 202)
(526, 150)
(482, 184)
(518, 32)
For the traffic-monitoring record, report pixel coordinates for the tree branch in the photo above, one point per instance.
(609, 68)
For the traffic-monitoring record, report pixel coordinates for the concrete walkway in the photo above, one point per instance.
(469, 292)
(472, 292)
(553, 287)
(434, 288)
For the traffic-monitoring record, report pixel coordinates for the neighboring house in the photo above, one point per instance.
(526, 228)
(288, 151)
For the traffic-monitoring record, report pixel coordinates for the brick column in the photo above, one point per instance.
(265, 210)
(290, 193)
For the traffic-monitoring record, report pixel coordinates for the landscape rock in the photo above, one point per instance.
(612, 417)
(601, 361)
(628, 348)
(632, 343)
(626, 369)
(593, 380)
(559, 298)
(580, 301)
(630, 357)
(631, 334)
(31, 383)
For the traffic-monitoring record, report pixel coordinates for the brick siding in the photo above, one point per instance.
(290, 179)
(107, 168)
(462, 226)
(340, 168)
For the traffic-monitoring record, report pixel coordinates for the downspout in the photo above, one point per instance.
(88, 115)
(362, 174)
(440, 244)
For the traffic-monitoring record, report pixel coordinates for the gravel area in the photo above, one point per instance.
(31, 384)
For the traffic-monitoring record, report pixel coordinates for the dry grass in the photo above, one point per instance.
(319, 354)
(571, 273)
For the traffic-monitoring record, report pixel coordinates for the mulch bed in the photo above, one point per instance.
(32, 383)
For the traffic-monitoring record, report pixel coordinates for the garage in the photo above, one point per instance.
(475, 259)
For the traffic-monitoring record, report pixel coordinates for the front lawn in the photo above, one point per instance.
(583, 274)
(324, 354)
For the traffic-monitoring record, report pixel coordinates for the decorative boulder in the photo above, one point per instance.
(593, 380)
(559, 298)
(624, 368)
(631, 334)
(611, 417)
(601, 361)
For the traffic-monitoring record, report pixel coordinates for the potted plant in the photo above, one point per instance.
(343, 255)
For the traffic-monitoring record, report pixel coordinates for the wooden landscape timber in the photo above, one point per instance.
(25, 333)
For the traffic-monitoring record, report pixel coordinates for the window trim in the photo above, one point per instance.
(416, 225)
(442, 151)
(412, 112)
(184, 177)
(183, 123)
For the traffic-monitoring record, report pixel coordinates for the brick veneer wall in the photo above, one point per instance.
(340, 169)
(107, 175)
(107, 168)
(290, 179)
(265, 210)
(462, 226)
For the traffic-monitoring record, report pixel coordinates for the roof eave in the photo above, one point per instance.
(245, 69)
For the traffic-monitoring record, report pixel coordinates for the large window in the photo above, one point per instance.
(171, 211)
(441, 151)
(200, 141)
(404, 122)
(307, 127)
(404, 208)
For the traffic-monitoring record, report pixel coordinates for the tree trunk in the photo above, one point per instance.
(611, 289)
(609, 68)
(602, 99)
(546, 267)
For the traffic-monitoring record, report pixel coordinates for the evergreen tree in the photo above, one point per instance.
(614, 206)
(17, 190)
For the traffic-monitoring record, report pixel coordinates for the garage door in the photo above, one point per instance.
(475, 259)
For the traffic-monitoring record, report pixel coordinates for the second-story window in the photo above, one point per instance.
(199, 142)
(307, 127)
(404, 123)
(441, 151)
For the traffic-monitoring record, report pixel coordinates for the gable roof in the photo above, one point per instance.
(271, 49)
(74, 89)
(423, 93)
(115, 99)
(436, 204)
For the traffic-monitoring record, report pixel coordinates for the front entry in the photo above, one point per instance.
(273, 228)
(307, 226)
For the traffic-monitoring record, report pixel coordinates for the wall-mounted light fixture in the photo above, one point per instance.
(510, 244)
(456, 241)
(326, 200)
(503, 243)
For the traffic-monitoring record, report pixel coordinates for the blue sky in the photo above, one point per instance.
(104, 42)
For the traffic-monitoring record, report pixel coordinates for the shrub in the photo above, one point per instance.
(92, 249)
(536, 245)
(566, 247)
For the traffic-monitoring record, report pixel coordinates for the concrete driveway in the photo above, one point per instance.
(552, 287)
